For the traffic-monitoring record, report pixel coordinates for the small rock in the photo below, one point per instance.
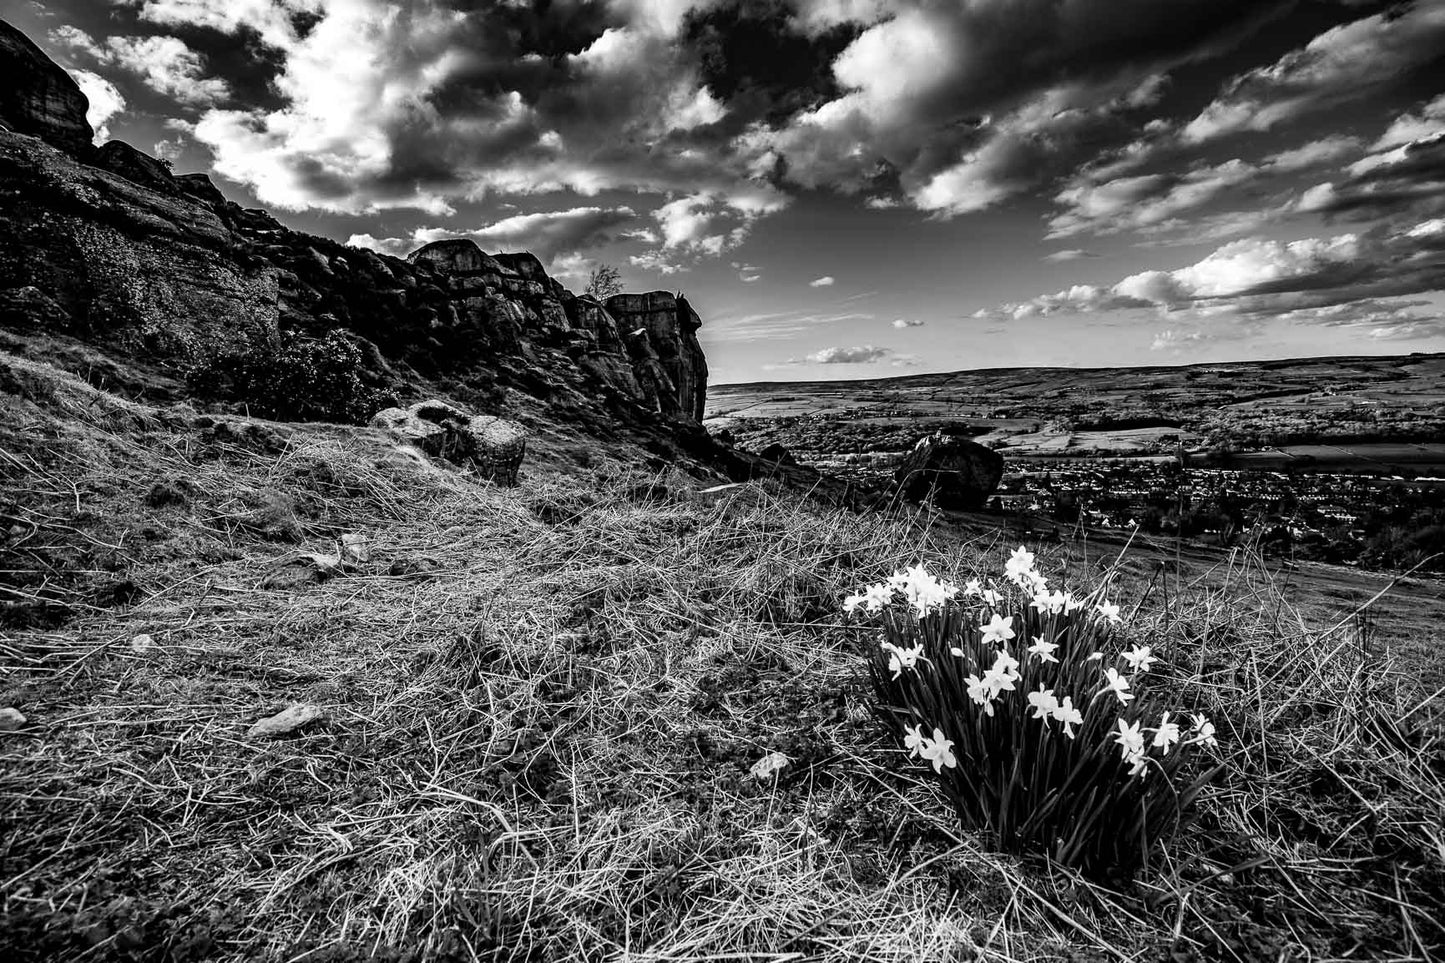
(11, 719)
(142, 644)
(769, 765)
(301, 570)
(356, 547)
(285, 722)
(422, 565)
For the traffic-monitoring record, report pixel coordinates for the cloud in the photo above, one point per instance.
(960, 106)
(1076, 254)
(1344, 278)
(548, 234)
(105, 102)
(859, 354)
(826, 281)
(1158, 202)
(902, 323)
(1402, 182)
(748, 273)
(165, 64)
(1354, 61)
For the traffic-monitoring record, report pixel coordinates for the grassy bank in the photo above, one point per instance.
(541, 706)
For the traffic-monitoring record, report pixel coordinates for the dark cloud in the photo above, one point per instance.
(757, 58)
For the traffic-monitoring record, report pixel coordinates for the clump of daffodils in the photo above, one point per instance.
(1034, 711)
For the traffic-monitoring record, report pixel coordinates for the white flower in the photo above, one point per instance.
(973, 588)
(1139, 658)
(998, 629)
(142, 643)
(877, 597)
(1043, 703)
(913, 741)
(1071, 604)
(1020, 565)
(1049, 603)
(1044, 650)
(1117, 684)
(1167, 734)
(1109, 610)
(1203, 729)
(1130, 738)
(924, 592)
(1138, 763)
(981, 692)
(938, 751)
(1095, 657)
(900, 658)
(851, 603)
(1068, 715)
(991, 597)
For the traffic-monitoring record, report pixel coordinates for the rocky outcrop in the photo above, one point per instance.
(491, 447)
(110, 246)
(960, 474)
(38, 98)
(662, 337)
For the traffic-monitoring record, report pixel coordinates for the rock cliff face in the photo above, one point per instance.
(157, 267)
(38, 98)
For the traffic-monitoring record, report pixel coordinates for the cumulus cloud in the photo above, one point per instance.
(961, 106)
(826, 281)
(548, 234)
(858, 354)
(748, 273)
(1163, 201)
(1351, 62)
(1311, 280)
(165, 64)
(105, 102)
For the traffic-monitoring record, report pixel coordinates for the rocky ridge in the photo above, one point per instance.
(107, 248)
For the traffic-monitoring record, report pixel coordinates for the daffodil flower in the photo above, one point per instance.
(1021, 561)
(991, 597)
(981, 692)
(1071, 604)
(913, 741)
(1139, 658)
(1043, 650)
(1068, 715)
(1117, 684)
(851, 603)
(1130, 736)
(1203, 730)
(1109, 611)
(877, 597)
(973, 588)
(1167, 734)
(939, 751)
(1043, 704)
(900, 658)
(998, 629)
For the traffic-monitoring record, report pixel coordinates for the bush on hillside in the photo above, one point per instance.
(1061, 749)
(287, 379)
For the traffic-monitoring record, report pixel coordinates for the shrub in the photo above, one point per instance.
(288, 379)
(1061, 749)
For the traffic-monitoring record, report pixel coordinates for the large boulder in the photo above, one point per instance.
(490, 446)
(960, 474)
(118, 157)
(671, 357)
(38, 98)
(456, 255)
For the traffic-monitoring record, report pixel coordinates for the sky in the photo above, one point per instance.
(842, 188)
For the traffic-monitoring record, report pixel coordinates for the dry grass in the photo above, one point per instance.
(536, 744)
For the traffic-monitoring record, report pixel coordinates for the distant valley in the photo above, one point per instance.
(1332, 458)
